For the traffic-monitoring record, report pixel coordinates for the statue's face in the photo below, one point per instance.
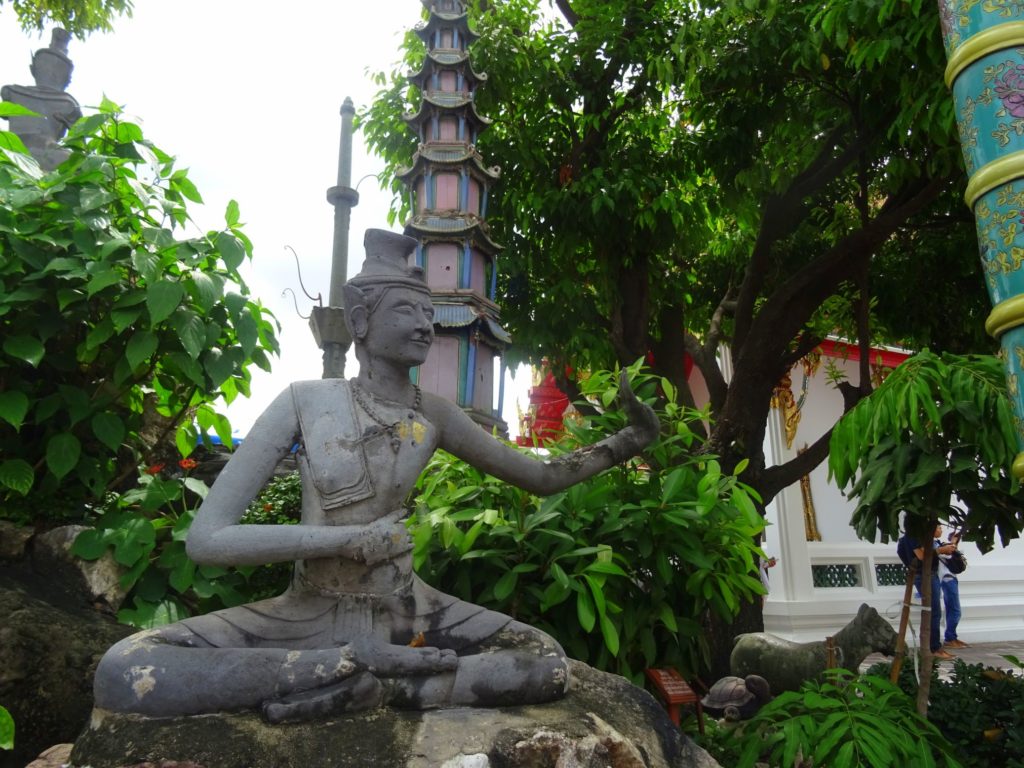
(401, 328)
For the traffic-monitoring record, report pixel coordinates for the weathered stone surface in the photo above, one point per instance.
(55, 757)
(99, 580)
(604, 722)
(50, 642)
(13, 539)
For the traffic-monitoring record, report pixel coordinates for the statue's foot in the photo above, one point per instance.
(389, 660)
(313, 670)
(361, 691)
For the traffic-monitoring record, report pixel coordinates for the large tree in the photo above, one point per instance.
(678, 175)
(78, 17)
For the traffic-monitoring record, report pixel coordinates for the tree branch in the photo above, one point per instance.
(774, 479)
(567, 12)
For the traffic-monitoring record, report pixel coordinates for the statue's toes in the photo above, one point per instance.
(402, 660)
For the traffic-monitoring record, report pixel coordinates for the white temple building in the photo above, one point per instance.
(824, 571)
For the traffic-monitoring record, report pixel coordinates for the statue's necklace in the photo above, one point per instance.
(392, 429)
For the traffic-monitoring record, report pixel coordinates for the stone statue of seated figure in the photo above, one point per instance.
(356, 627)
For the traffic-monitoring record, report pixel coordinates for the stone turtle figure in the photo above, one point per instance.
(737, 698)
(356, 628)
(786, 664)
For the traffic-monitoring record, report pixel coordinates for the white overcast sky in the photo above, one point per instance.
(246, 95)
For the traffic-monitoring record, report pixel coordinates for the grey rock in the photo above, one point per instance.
(13, 540)
(54, 757)
(603, 722)
(100, 579)
(50, 643)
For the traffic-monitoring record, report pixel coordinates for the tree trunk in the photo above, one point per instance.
(925, 683)
(901, 638)
(722, 636)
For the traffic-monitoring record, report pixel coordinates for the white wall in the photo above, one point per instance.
(992, 589)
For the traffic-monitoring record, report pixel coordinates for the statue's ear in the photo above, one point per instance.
(356, 312)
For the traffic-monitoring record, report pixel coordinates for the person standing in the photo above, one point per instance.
(950, 594)
(907, 545)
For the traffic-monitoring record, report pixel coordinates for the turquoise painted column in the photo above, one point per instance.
(984, 43)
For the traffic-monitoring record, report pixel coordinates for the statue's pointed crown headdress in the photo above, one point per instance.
(387, 262)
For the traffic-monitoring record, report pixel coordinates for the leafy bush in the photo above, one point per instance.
(980, 710)
(117, 332)
(939, 426)
(622, 568)
(279, 503)
(145, 530)
(843, 721)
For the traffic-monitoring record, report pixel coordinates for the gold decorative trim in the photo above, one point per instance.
(981, 45)
(1005, 315)
(1000, 171)
(811, 532)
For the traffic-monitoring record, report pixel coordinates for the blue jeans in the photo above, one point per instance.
(935, 641)
(951, 597)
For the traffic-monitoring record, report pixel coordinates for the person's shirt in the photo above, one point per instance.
(944, 572)
(913, 546)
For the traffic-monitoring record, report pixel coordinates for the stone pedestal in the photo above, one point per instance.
(603, 722)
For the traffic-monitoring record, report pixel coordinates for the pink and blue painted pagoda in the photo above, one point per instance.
(448, 186)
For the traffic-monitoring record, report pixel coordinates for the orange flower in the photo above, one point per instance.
(188, 464)
(154, 469)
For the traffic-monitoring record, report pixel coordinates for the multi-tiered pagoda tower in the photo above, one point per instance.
(448, 185)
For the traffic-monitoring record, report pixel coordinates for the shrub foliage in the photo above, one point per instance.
(118, 329)
(622, 569)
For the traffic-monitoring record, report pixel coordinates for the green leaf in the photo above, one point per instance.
(109, 430)
(505, 585)
(231, 250)
(17, 475)
(27, 348)
(13, 407)
(162, 298)
(205, 290)
(6, 721)
(90, 544)
(191, 332)
(231, 214)
(218, 365)
(102, 279)
(610, 634)
(12, 142)
(12, 109)
(585, 610)
(62, 453)
(141, 347)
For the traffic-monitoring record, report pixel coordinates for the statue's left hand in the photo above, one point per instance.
(384, 539)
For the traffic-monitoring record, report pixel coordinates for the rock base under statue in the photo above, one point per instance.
(603, 722)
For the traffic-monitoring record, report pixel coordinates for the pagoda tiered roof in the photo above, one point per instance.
(447, 58)
(432, 225)
(425, 29)
(449, 154)
(446, 100)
